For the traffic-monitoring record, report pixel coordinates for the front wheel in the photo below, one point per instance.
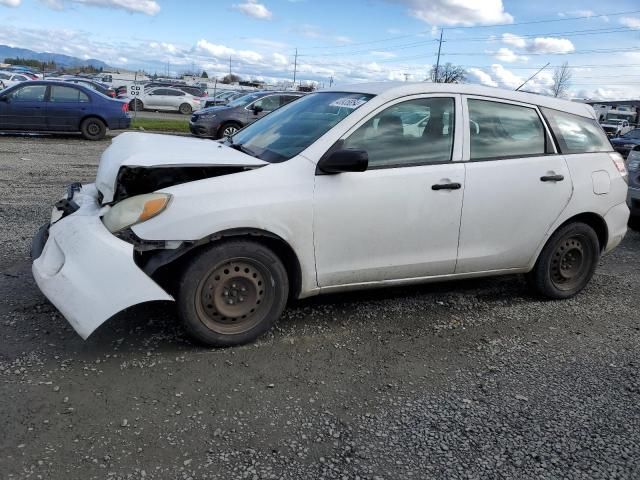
(567, 262)
(93, 129)
(228, 129)
(232, 293)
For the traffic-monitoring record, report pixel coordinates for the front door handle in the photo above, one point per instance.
(446, 186)
(552, 178)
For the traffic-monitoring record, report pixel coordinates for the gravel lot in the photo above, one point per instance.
(473, 380)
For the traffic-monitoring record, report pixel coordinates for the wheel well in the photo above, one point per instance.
(596, 222)
(163, 265)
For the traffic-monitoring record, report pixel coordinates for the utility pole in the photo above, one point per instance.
(295, 68)
(527, 80)
(229, 67)
(406, 77)
(330, 81)
(435, 79)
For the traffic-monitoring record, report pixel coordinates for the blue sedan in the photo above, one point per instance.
(625, 143)
(50, 106)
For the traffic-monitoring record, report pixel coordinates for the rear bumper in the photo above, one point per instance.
(88, 273)
(616, 220)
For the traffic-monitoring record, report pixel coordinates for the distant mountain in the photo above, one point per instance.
(60, 59)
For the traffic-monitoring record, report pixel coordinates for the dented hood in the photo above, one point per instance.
(131, 149)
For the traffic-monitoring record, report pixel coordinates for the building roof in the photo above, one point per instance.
(399, 89)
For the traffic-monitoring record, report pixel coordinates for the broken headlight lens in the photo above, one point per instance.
(135, 210)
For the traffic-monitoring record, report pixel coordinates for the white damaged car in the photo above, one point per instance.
(358, 187)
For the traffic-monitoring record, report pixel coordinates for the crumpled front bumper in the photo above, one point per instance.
(87, 272)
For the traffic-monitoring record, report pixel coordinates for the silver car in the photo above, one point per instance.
(164, 98)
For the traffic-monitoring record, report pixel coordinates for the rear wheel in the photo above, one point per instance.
(567, 262)
(185, 109)
(136, 105)
(232, 293)
(93, 128)
(228, 129)
(634, 222)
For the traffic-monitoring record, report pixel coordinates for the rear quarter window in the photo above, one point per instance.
(576, 134)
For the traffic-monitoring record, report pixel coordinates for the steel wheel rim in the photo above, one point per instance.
(228, 131)
(569, 263)
(185, 109)
(93, 129)
(235, 296)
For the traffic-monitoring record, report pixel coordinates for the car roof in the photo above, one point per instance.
(398, 89)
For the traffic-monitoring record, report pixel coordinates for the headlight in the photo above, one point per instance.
(207, 116)
(135, 210)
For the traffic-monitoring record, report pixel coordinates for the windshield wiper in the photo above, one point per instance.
(239, 147)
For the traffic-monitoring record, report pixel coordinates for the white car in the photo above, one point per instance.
(165, 98)
(616, 128)
(9, 79)
(331, 193)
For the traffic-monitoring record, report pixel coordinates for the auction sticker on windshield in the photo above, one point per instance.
(348, 102)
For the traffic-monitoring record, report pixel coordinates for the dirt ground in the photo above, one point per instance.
(472, 380)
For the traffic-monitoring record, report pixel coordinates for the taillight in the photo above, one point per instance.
(125, 107)
(618, 161)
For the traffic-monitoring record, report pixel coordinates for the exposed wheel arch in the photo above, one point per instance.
(596, 222)
(162, 263)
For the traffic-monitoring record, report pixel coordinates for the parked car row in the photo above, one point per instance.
(57, 106)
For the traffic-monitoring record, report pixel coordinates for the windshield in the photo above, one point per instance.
(244, 100)
(287, 131)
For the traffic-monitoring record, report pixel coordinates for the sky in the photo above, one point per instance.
(498, 42)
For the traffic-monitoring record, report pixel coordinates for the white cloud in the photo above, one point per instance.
(382, 54)
(514, 40)
(483, 77)
(457, 12)
(550, 45)
(506, 77)
(280, 59)
(631, 22)
(147, 7)
(222, 51)
(10, 3)
(254, 9)
(509, 56)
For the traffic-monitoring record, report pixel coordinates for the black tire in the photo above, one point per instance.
(93, 128)
(567, 262)
(39, 240)
(217, 282)
(634, 222)
(185, 109)
(228, 128)
(136, 105)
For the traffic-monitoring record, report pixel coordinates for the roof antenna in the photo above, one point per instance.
(527, 80)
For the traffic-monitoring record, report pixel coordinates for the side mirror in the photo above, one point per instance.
(341, 161)
(257, 109)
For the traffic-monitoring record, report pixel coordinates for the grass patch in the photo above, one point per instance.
(160, 125)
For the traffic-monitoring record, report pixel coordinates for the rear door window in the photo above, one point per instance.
(576, 134)
(503, 130)
(67, 94)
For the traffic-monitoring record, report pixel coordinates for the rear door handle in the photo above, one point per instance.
(552, 178)
(446, 186)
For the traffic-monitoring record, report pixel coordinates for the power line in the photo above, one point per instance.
(497, 25)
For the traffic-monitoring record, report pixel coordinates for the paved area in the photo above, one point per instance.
(465, 380)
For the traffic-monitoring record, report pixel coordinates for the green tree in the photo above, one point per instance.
(204, 74)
